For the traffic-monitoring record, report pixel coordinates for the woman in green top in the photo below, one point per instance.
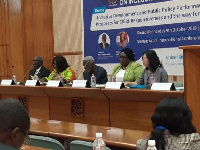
(62, 71)
(128, 70)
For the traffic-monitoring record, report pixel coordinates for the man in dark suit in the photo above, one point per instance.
(38, 70)
(103, 44)
(90, 68)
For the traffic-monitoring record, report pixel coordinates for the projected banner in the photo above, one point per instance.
(163, 25)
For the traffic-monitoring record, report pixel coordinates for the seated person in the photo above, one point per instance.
(14, 124)
(154, 71)
(90, 68)
(38, 70)
(172, 127)
(62, 71)
(128, 70)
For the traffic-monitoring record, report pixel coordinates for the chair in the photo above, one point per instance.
(45, 142)
(82, 145)
(178, 84)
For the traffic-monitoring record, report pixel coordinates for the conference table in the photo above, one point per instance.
(122, 108)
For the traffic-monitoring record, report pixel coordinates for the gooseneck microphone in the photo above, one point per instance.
(27, 71)
(6, 70)
(22, 82)
(82, 70)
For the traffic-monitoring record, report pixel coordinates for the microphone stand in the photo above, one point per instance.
(82, 70)
(23, 80)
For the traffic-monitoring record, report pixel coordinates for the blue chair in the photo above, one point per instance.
(45, 142)
(82, 145)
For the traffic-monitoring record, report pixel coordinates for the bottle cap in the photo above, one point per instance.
(98, 134)
(151, 142)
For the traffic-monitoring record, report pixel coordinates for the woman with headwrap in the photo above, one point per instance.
(128, 70)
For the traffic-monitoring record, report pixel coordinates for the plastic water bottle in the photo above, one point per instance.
(113, 78)
(98, 143)
(151, 145)
(152, 79)
(15, 79)
(93, 81)
(35, 77)
(60, 78)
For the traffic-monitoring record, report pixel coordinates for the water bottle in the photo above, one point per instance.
(93, 81)
(113, 78)
(35, 77)
(59, 77)
(98, 143)
(151, 145)
(15, 79)
(152, 79)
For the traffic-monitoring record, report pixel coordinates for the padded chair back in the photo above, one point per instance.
(178, 84)
(45, 142)
(82, 145)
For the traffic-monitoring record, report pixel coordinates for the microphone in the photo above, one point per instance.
(6, 70)
(22, 82)
(82, 70)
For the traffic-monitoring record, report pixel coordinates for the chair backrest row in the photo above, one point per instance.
(45, 142)
(50, 143)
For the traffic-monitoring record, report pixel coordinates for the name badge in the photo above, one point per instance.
(54, 83)
(79, 83)
(32, 83)
(7, 82)
(162, 86)
(114, 85)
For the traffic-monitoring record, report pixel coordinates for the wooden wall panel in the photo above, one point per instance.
(16, 39)
(38, 31)
(4, 41)
(5, 62)
(7, 29)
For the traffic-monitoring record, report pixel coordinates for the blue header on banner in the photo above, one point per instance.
(98, 10)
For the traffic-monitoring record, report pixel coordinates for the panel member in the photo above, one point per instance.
(39, 69)
(154, 71)
(62, 71)
(14, 124)
(128, 70)
(90, 68)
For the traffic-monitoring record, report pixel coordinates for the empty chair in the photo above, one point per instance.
(45, 142)
(82, 145)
